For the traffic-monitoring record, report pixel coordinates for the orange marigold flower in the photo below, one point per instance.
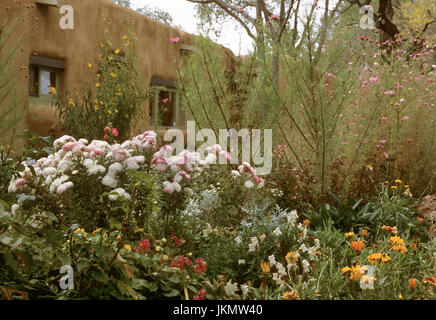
(391, 229)
(412, 283)
(413, 245)
(307, 222)
(357, 245)
(291, 295)
(364, 232)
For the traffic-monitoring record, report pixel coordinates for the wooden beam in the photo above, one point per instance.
(47, 62)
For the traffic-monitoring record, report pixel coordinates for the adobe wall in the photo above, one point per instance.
(79, 46)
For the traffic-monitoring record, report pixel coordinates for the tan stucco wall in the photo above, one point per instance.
(79, 46)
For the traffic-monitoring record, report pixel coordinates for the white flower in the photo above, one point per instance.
(114, 168)
(254, 240)
(57, 182)
(277, 232)
(248, 184)
(64, 187)
(306, 265)
(241, 261)
(211, 158)
(251, 247)
(281, 269)
(230, 288)
(109, 181)
(14, 208)
(292, 217)
(236, 173)
(244, 288)
(49, 171)
(120, 192)
(272, 260)
(238, 240)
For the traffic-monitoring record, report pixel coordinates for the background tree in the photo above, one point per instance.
(268, 22)
(149, 11)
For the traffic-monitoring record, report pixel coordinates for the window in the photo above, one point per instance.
(43, 74)
(165, 110)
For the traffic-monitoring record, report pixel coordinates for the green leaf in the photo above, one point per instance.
(172, 293)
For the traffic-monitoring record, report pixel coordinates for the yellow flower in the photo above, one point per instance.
(291, 295)
(124, 37)
(398, 181)
(117, 51)
(355, 273)
(265, 267)
(113, 75)
(406, 186)
(101, 45)
(393, 187)
(385, 258)
(345, 269)
(95, 108)
(349, 234)
(400, 296)
(71, 102)
(165, 257)
(128, 247)
(396, 240)
(97, 230)
(52, 91)
(81, 231)
(111, 58)
(373, 258)
(109, 111)
(291, 257)
(89, 65)
(97, 84)
(369, 167)
(116, 110)
(400, 248)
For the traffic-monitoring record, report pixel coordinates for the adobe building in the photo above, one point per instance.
(51, 55)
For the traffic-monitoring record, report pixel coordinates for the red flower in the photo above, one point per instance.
(180, 262)
(115, 132)
(176, 240)
(144, 245)
(201, 295)
(200, 265)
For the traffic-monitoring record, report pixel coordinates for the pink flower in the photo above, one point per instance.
(404, 118)
(200, 265)
(262, 236)
(201, 295)
(386, 155)
(106, 137)
(165, 100)
(384, 119)
(107, 129)
(144, 246)
(361, 37)
(273, 16)
(180, 262)
(383, 141)
(175, 40)
(389, 93)
(114, 132)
